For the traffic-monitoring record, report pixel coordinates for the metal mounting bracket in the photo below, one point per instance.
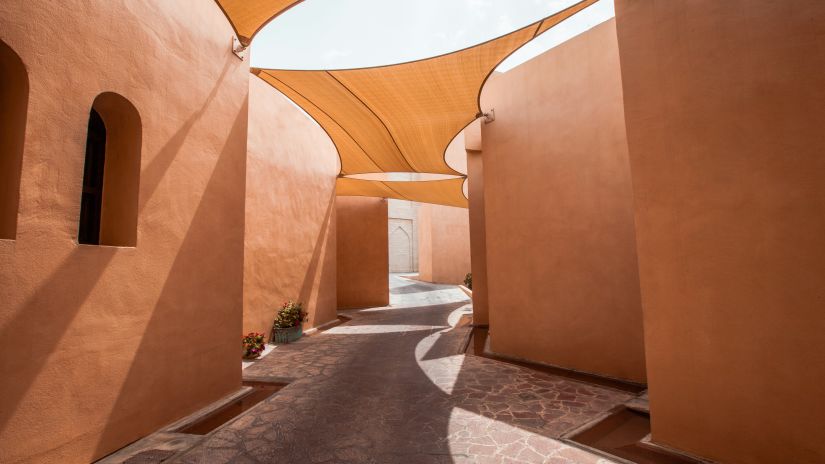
(238, 48)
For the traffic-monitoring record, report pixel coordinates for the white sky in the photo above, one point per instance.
(335, 34)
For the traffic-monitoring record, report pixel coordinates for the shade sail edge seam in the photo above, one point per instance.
(423, 100)
(396, 191)
(337, 149)
(384, 124)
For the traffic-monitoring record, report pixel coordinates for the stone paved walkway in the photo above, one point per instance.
(392, 386)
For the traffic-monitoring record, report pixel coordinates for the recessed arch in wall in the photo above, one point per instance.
(14, 101)
(401, 248)
(111, 174)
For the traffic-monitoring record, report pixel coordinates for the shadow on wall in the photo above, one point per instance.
(155, 170)
(14, 93)
(314, 268)
(60, 297)
(192, 345)
(362, 252)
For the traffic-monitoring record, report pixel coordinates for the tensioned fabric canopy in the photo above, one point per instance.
(250, 16)
(395, 118)
(441, 192)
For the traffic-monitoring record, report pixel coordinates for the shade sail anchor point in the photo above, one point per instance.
(238, 48)
(489, 116)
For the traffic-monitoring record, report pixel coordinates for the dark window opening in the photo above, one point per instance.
(91, 202)
(111, 174)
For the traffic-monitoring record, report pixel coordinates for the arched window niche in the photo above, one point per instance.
(14, 102)
(111, 173)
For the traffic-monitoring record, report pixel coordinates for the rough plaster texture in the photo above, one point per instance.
(725, 110)
(562, 272)
(290, 212)
(478, 236)
(363, 252)
(444, 244)
(101, 345)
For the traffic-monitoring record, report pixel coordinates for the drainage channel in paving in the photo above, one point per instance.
(260, 391)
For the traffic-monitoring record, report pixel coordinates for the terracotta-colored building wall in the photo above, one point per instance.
(725, 110)
(363, 252)
(101, 345)
(444, 244)
(290, 212)
(455, 154)
(562, 274)
(478, 236)
(425, 243)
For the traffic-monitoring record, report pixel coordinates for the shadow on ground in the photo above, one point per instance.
(393, 386)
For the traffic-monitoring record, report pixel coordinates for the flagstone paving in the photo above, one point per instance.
(393, 386)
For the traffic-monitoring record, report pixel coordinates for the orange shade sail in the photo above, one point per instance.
(248, 17)
(439, 192)
(402, 117)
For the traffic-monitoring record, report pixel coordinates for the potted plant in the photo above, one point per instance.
(468, 280)
(253, 345)
(287, 327)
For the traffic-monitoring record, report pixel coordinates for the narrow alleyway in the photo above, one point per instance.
(393, 386)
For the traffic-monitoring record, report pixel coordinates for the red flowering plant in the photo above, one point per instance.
(253, 345)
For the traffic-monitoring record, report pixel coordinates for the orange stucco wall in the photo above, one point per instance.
(725, 110)
(101, 345)
(363, 252)
(290, 212)
(444, 231)
(444, 244)
(455, 154)
(562, 272)
(478, 235)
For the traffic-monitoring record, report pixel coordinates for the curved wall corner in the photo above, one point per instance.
(562, 273)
